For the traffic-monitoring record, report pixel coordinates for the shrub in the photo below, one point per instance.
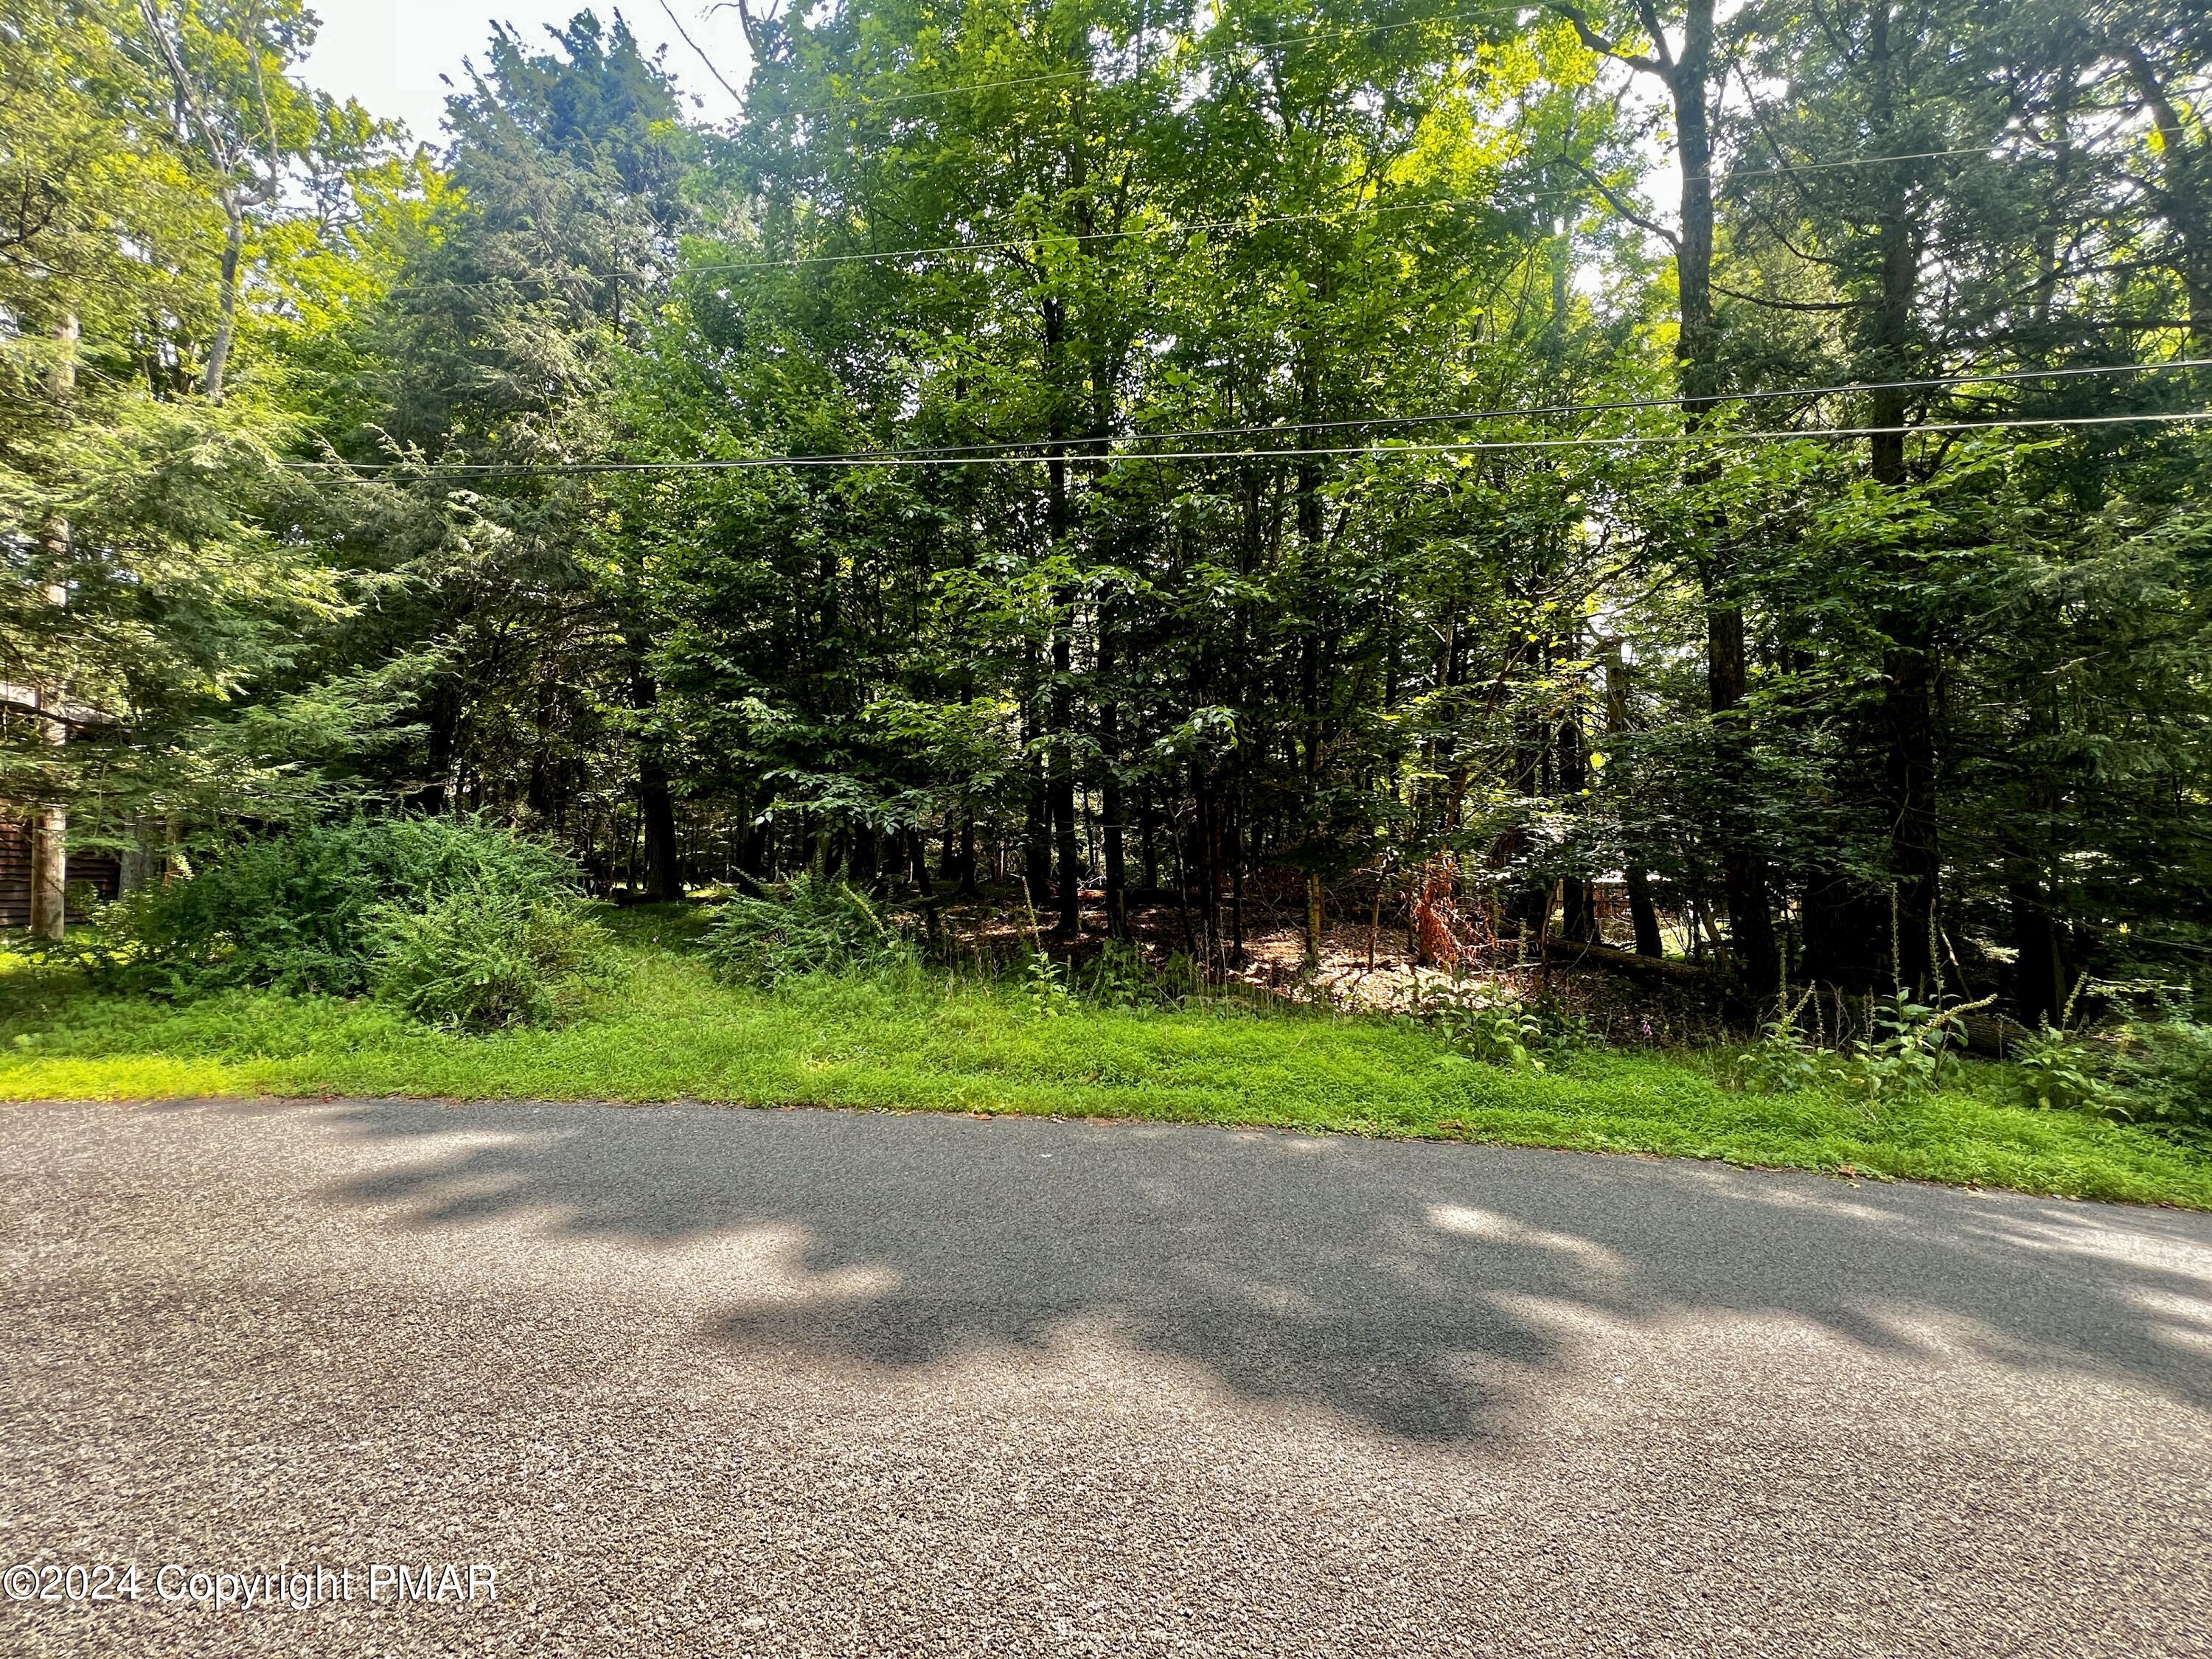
(2155, 1068)
(1909, 1051)
(310, 910)
(1121, 978)
(1495, 1027)
(1044, 982)
(815, 925)
(2062, 1070)
(2163, 1072)
(485, 958)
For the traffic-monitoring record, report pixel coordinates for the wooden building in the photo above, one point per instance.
(92, 877)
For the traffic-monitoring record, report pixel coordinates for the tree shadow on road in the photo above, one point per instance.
(1432, 1292)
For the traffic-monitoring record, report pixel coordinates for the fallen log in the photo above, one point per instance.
(1560, 952)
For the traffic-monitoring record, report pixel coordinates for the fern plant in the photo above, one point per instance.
(815, 925)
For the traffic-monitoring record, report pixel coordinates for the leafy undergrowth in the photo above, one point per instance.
(661, 1029)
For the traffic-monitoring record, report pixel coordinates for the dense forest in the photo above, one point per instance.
(1373, 458)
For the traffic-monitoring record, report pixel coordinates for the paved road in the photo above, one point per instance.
(696, 1380)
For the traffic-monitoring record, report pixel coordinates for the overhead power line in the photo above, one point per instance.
(1076, 447)
(891, 458)
(1530, 411)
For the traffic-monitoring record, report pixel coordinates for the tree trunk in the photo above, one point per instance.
(1116, 875)
(234, 197)
(756, 857)
(1037, 823)
(50, 818)
(861, 868)
(441, 723)
(1743, 866)
(2185, 182)
(2040, 985)
(1909, 732)
(1065, 843)
(1578, 897)
(49, 869)
(1643, 914)
(1909, 665)
(226, 325)
(664, 872)
(1058, 521)
(1233, 858)
(656, 805)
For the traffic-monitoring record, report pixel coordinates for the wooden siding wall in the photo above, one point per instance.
(101, 876)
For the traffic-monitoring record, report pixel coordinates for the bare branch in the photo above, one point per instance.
(15, 705)
(1673, 239)
(700, 52)
(1597, 43)
(745, 22)
(187, 94)
(1783, 305)
(1651, 27)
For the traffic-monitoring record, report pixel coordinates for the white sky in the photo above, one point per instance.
(390, 53)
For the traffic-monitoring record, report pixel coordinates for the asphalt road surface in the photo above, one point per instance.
(683, 1381)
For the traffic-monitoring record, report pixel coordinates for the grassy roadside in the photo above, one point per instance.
(664, 1030)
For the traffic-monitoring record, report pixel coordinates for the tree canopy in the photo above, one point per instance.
(1257, 452)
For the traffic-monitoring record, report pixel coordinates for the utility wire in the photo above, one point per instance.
(1072, 446)
(891, 457)
(1509, 412)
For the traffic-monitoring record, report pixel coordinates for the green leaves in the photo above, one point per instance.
(816, 925)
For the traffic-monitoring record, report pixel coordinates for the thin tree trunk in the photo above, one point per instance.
(1311, 667)
(1643, 914)
(1909, 663)
(2185, 182)
(1743, 866)
(1116, 875)
(2038, 989)
(1688, 74)
(664, 863)
(49, 817)
(1036, 819)
(226, 325)
(234, 198)
(1058, 521)
(49, 867)
(441, 721)
(1578, 897)
(656, 804)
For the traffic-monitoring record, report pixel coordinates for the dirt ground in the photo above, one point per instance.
(1365, 966)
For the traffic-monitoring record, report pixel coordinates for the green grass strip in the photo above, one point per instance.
(662, 1029)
